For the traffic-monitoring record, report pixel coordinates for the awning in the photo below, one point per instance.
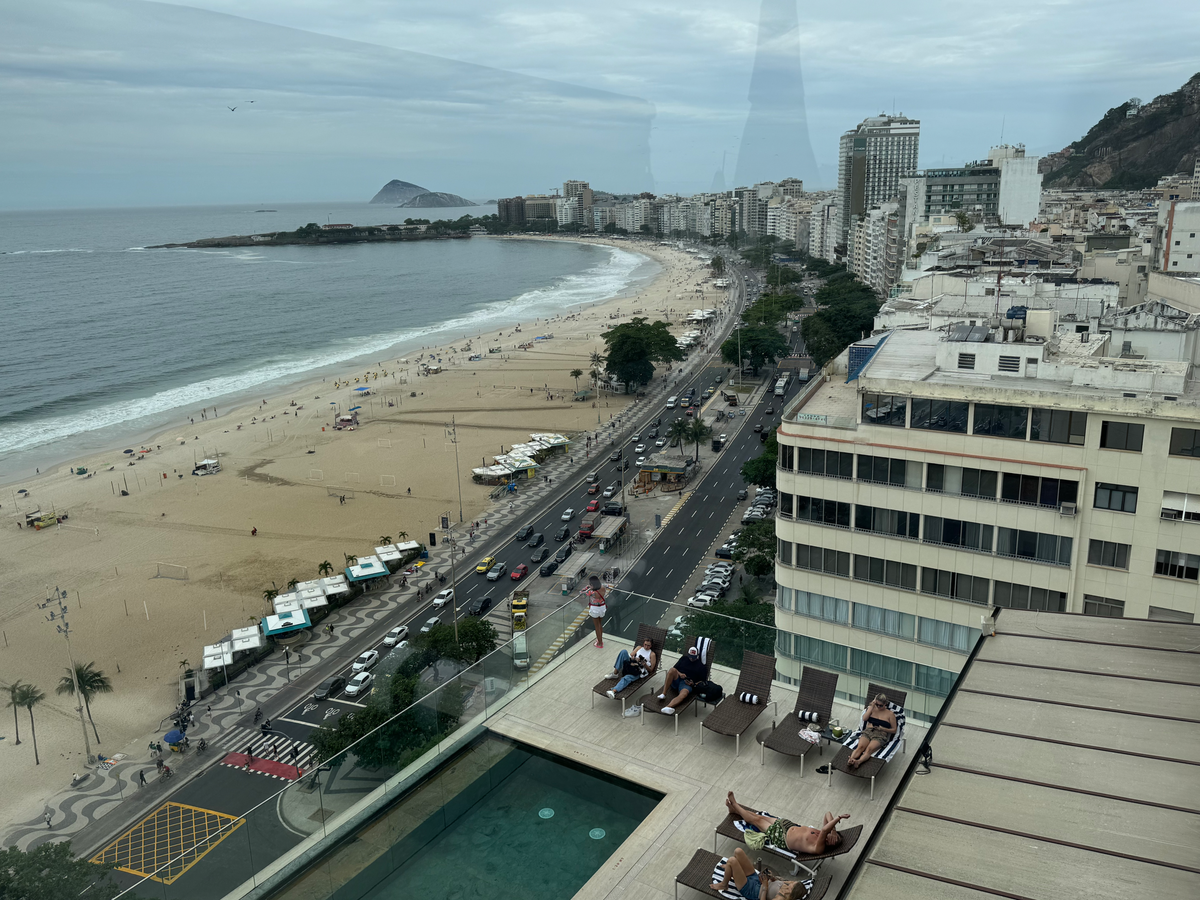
(287, 622)
(388, 553)
(367, 567)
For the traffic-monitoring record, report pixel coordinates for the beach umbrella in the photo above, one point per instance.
(353, 408)
(174, 736)
(22, 491)
(126, 451)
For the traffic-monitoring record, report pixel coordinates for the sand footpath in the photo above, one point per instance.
(283, 472)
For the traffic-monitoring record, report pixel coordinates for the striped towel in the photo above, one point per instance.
(732, 892)
(747, 697)
(743, 826)
(887, 751)
(702, 647)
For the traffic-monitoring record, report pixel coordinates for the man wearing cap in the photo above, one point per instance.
(683, 677)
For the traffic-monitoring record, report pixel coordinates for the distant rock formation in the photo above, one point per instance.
(434, 200)
(1133, 145)
(397, 191)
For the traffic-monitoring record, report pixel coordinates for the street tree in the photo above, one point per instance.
(635, 346)
(760, 346)
(677, 433)
(576, 374)
(50, 871)
(846, 312)
(761, 469)
(717, 264)
(92, 681)
(756, 548)
(698, 433)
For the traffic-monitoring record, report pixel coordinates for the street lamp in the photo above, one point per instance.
(449, 532)
(287, 659)
(452, 435)
(63, 627)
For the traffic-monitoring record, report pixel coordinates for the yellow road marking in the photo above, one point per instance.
(168, 841)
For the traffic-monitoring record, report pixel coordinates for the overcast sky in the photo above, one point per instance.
(122, 102)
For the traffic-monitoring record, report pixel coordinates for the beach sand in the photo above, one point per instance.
(138, 628)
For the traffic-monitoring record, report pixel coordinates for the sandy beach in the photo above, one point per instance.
(283, 470)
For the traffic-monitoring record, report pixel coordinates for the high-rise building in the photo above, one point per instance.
(511, 210)
(871, 159)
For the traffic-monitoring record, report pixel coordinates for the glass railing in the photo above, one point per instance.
(370, 787)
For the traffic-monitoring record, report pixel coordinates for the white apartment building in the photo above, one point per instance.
(933, 475)
(1178, 244)
(871, 158)
(823, 228)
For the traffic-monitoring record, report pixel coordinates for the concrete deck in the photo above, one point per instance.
(556, 715)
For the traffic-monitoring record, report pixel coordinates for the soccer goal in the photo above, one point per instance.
(387, 480)
(386, 443)
(353, 478)
(331, 491)
(316, 475)
(170, 570)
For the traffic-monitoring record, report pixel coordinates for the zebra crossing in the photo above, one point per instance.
(275, 747)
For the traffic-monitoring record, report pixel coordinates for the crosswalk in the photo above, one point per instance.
(275, 747)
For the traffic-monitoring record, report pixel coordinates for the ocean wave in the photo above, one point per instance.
(598, 283)
(38, 252)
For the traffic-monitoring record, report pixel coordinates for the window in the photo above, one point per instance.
(1001, 421)
(1006, 364)
(1162, 614)
(787, 457)
(1103, 606)
(825, 654)
(825, 462)
(884, 621)
(1058, 426)
(883, 470)
(1047, 548)
(1185, 442)
(1037, 491)
(1185, 507)
(817, 559)
(1185, 566)
(886, 572)
(1121, 436)
(823, 512)
(1116, 497)
(883, 409)
(785, 505)
(819, 606)
(783, 552)
(956, 533)
(946, 635)
(940, 415)
(966, 360)
(887, 521)
(880, 668)
(1025, 596)
(961, 481)
(1106, 553)
(956, 585)
(937, 682)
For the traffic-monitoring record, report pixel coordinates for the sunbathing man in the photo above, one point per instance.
(754, 885)
(879, 725)
(784, 833)
(683, 677)
(629, 670)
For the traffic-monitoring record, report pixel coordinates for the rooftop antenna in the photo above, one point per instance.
(1002, 121)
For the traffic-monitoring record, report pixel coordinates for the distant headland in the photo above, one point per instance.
(406, 195)
(312, 233)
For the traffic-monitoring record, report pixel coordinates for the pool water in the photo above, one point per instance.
(529, 825)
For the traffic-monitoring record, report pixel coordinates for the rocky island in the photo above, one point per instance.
(406, 195)
(312, 233)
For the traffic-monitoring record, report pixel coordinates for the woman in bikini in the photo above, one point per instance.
(755, 885)
(786, 834)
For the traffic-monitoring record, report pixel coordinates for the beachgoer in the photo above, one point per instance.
(49, 819)
(596, 608)
(630, 669)
(141, 778)
(682, 677)
(786, 834)
(879, 725)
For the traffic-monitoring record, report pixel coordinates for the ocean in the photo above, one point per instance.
(108, 341)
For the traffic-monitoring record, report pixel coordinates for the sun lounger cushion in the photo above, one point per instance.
(746, 828)
(732, 892)
(888, 750)
(747, 697)
(804, 716)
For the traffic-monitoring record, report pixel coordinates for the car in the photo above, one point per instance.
(593, 477)
(626, 466)
(536, 541)
(329, 688)
(635, 439)
(549, 568)
(769, 411)
(741, 495)
(568, 514)
(652, 433)
(487, 563)
(640, 448)
(702, 599)
(365, 661)
(593, 505)
(751, 517)
(498, 571)
(395, 636)
(609, 491)
(661, 442)
(563, 552)
(758, 428)
(593, 489)
(615, 455)
(524, 533)
(713, 580)
(443, 598)
(539, 555)
(360, 684)
(562, 534)
(723, 552)
(640, 461)
(429, 625)
(480, 606)
(520, 570)
(719, 568)
(688, 412)
(723, 438)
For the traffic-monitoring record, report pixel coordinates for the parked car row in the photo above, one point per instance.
(761, 507)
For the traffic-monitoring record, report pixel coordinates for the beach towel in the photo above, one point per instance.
(747, 697)
(732, 892)
(809, 735)
(888, 750)
(703, 646)
(746, 828)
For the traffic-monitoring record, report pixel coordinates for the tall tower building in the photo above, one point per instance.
(871, 159)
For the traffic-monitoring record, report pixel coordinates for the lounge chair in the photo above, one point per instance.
(874, 765)
(704, 865)
(657, 637)
(651, 703)
(807, 861)
(815, 696)
(733, 717)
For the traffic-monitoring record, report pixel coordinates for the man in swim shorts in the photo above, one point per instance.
(786, 834)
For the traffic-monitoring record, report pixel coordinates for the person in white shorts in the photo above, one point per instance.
(596, 608)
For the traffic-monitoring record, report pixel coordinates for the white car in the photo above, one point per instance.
(661, 442)
(428, 626)
(640, 448)
(395, 636)
(366, 661)
(719, 569)
(702, 599)
(359, 684)
(568, 514)
(496, 571)
(635, 439)
(443, 598)
(640, 461)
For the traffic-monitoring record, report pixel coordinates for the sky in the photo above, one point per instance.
(126, 102)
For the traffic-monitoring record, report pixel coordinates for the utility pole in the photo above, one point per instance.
(60, 623)
(452, 436)
(448, 531)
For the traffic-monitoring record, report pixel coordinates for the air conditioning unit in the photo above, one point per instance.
(1068, 509)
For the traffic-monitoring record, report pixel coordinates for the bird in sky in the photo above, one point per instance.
(231, 108)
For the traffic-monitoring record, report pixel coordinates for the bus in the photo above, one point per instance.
(781, 385)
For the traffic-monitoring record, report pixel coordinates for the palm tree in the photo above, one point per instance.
(292, 582)
(678, 433)
(402, 536)
(576, 374)
(14, 690)
(91, 682)
(698, 433)
(595, 376)
(325, 568)
(596, 360)
(29, 697)
(270, 594)
(351, 559)
(384, 539)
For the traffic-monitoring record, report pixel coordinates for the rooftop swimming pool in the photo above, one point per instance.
(496, 819)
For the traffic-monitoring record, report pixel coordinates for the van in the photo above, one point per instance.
(671, 401)
(520, 652)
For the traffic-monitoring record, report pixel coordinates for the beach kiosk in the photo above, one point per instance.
(367, 568)
(285, 623)
(207, 467)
